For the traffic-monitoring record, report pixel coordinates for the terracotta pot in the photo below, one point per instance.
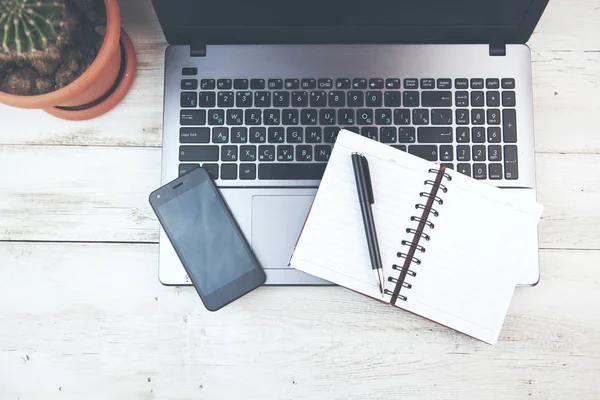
(100, 88)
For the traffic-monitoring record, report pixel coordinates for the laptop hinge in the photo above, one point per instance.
(198, 50)
(497, 49)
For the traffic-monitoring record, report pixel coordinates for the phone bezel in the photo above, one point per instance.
(234, 289)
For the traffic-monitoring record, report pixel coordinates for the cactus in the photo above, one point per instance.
(33, 29)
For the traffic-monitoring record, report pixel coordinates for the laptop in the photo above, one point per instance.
(256, 92)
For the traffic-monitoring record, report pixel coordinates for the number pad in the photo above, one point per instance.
(478, 135)
(494, 153)
(493, 116)
(494, 135)
(479, 171)
(477, 117)
(478, 153)
(463, 135)
(463, 152)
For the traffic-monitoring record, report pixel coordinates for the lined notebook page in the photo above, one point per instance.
(469, 268)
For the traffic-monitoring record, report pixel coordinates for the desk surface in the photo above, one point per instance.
(82, 314)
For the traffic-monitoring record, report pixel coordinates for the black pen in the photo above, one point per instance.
(366, 198)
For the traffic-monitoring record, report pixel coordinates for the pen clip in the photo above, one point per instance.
(367, 173)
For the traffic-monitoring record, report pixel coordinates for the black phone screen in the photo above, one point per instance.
(205, 238)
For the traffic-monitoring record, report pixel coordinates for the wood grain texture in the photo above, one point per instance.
(135, 339)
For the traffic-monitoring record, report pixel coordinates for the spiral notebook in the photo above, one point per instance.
(450, 245)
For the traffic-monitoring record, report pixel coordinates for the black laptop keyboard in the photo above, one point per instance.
(266, 129)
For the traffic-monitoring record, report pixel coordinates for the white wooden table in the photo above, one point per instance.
(83, 316)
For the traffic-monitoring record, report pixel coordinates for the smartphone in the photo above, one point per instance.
(207, 239)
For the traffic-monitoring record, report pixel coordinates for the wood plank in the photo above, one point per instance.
(127, 336)
(74, 193)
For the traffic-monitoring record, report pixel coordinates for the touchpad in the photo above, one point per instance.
(276, 225)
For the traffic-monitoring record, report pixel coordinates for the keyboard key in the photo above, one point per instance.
(276, 135)
(253, 117)
(509, 125)
(420, 117)
(309, 83)
(492, 83)
(189, 84)
(192, 117)
(463, 153)
(185, 168)
(281, 99)
(477, 99)
(220, 135)
(343, 83)
(207, 84)
(402, 117)
(463, 135)
(225, 99)
(188, 99)
(492, 98)
(325, 83)
(308, 117)
(300, 99)
(461, 83)
(388, 135)
(266, 153)
(346, 116)
(247, 171)
(434, 135)
(391, 99)
(239, 135)
(355, 99)
(375, 83)
(479, 171)
(235, 117)
(240, 84)
(476, 83)
(330, 134)
(248, 153)
(494, 135)
(271, 117)
(370, 132)
(464, 169)
(327, 116)
(199, 153)
(359, 83)
(275, 84)
(243, 99)
(216, 117)
(495, 153)
(212, 169)
(399, 147)
(477, 117)
(411, 83)
(322, 152)
(447, 165)
(436, 98)
(285, 153)
(313, 134)
(427, 83)
(441, 117)
(495, 171)
(407, 134)
(462, 116)
(318, 99)
(337, 99)
(291, 84)
(508, 83)
(374, 99)
(304, 153)
(354, 129)
(493, 116)
(410, 99)
(478, 134)
(187, 71)
(364, 116)
(295, 171)
(392, 83)
(229, 153)
(294, 135)
(479, 152)
(428, 152)
(258, 135)
(224, 84)
(383, 116)
(257, 84)
(194, 135)
(446, 153)
(444, 83)
(511, 164)
(290, 116)
(462, 99)
(509, 99)
(262, 99)
(207, 99)
(228, 171)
